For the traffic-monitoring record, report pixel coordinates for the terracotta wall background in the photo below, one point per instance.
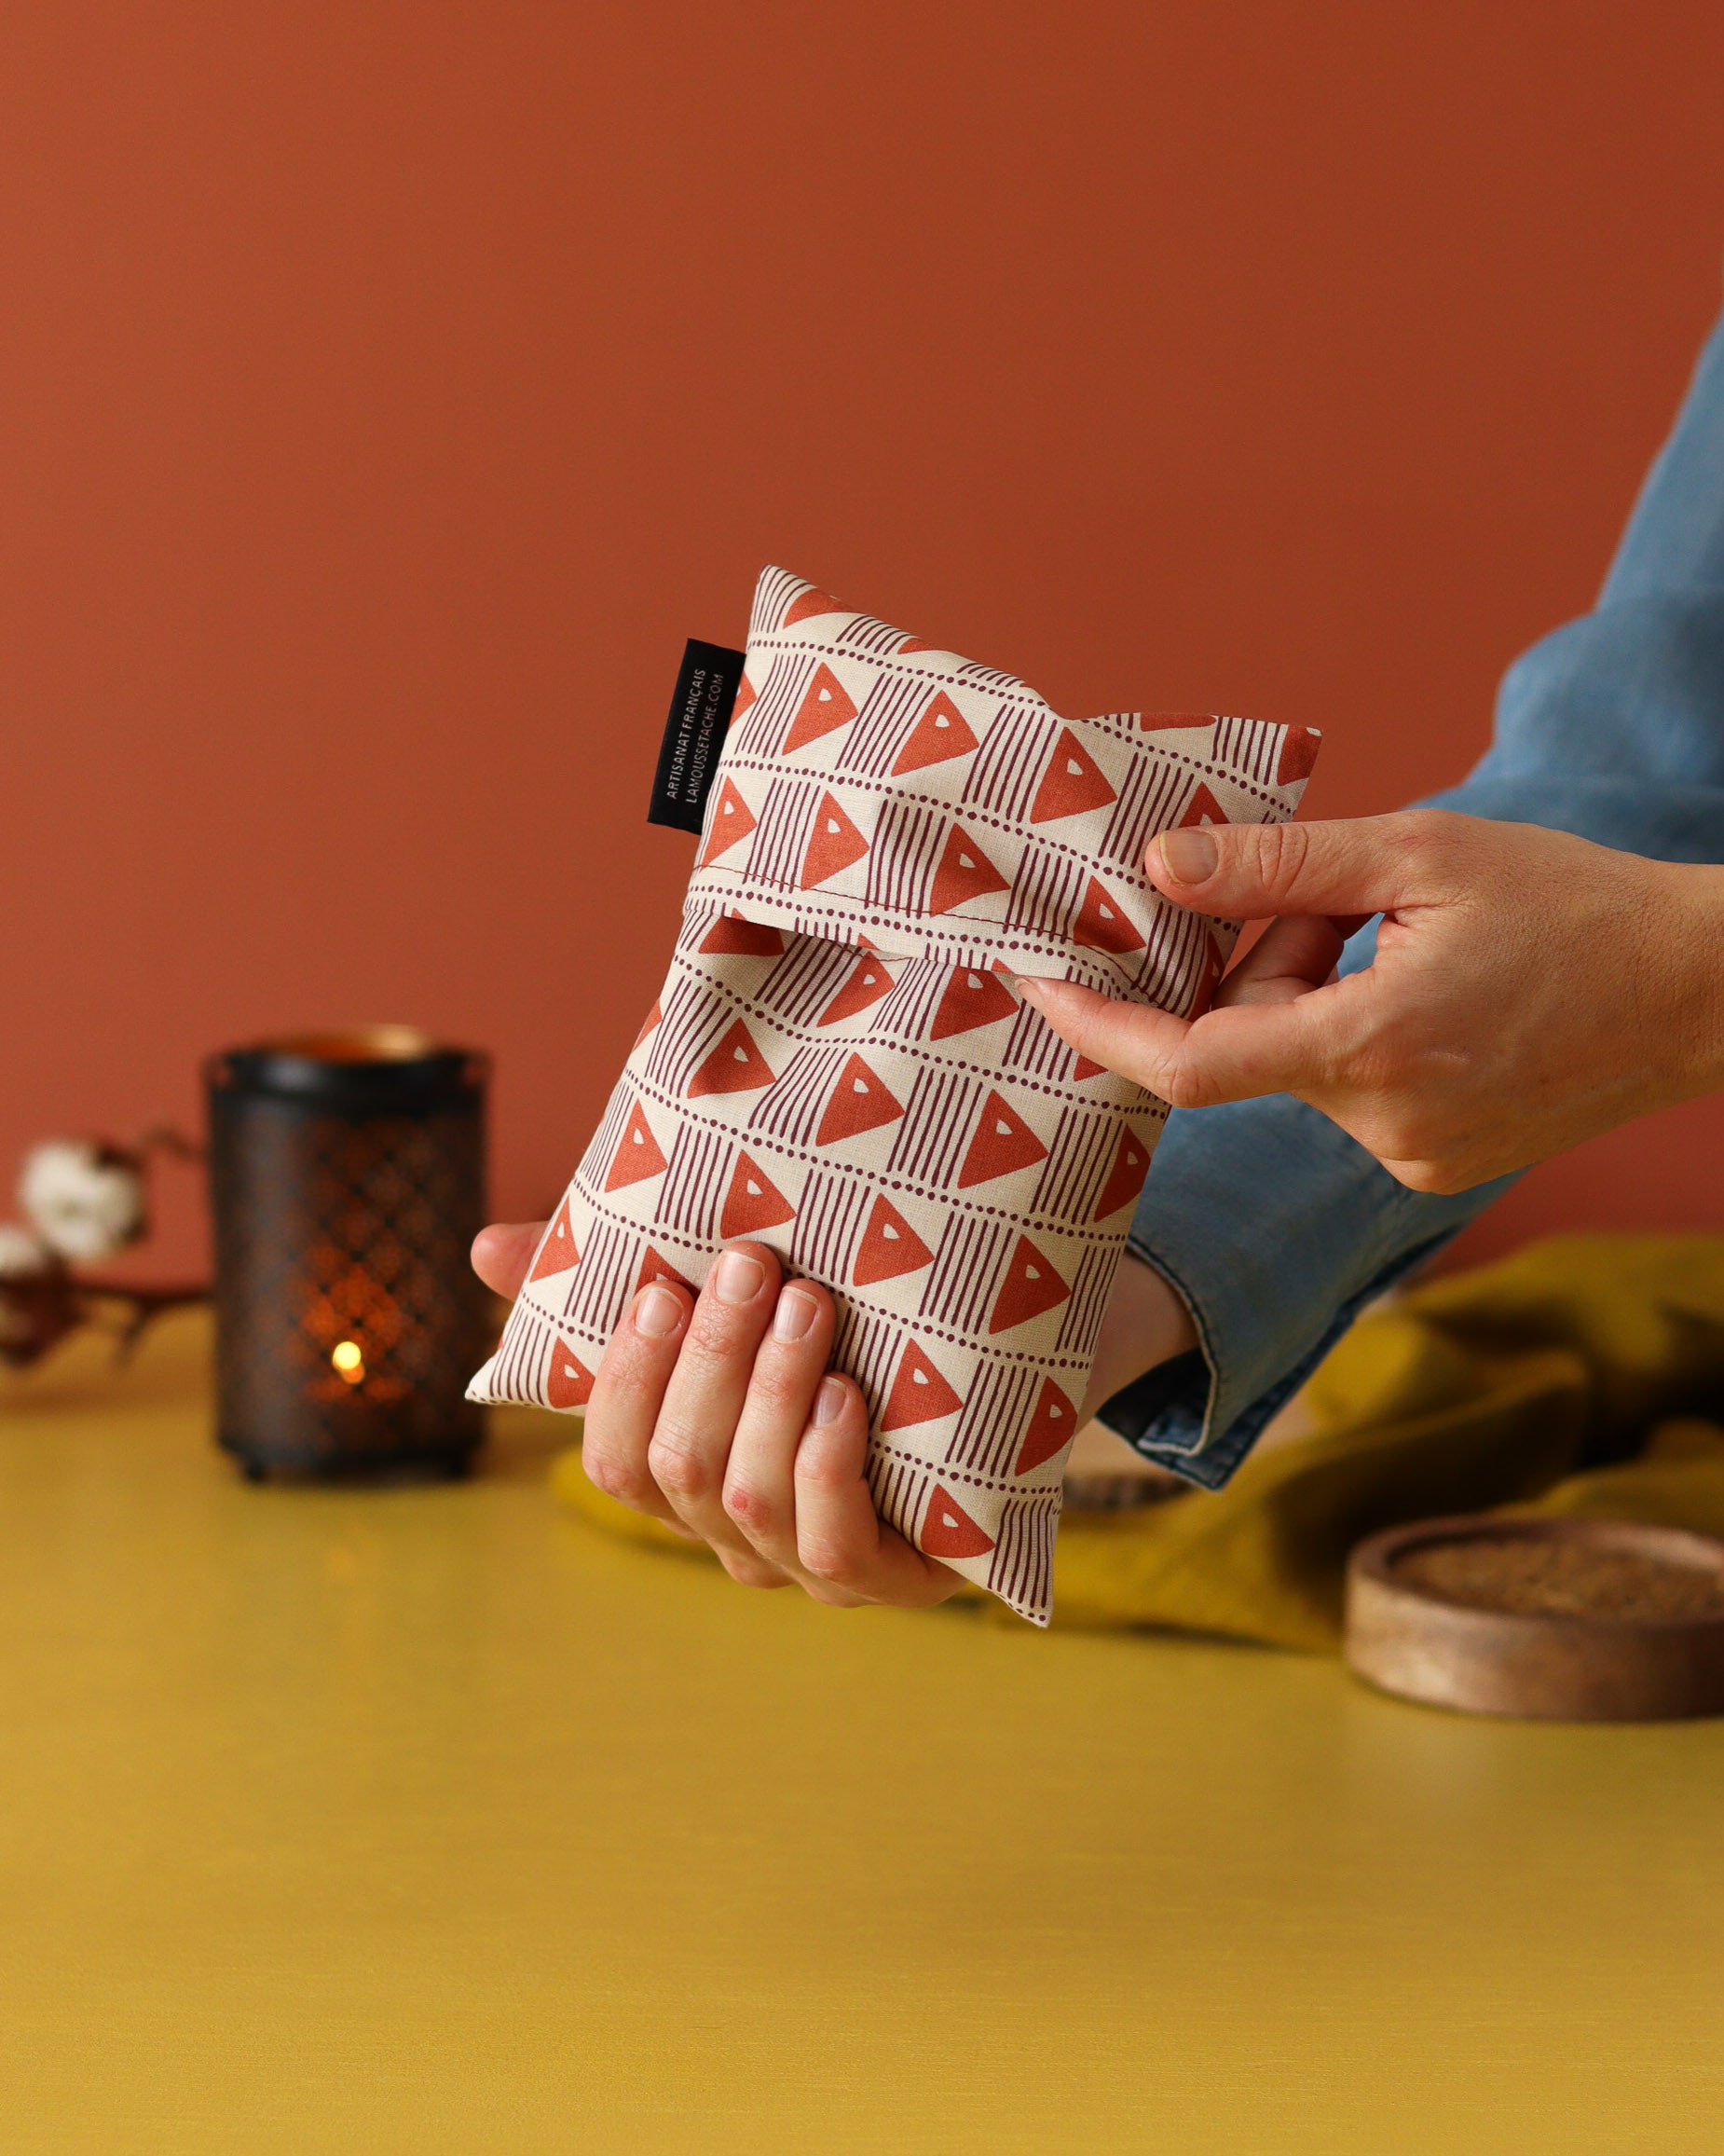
(386, 390)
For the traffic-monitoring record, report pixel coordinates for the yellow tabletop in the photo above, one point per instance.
(429, 1820)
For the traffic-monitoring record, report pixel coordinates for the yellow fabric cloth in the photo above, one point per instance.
(1578, 1377)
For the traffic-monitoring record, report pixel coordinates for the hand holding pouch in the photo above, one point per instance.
(838, 1065)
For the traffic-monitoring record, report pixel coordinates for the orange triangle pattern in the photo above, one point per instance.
(1054, 1424)
(1030, 1288)
(558, 1252)
(964, 875)
(941, 732)
(1002, 1144)
(637, 1155)
(949, 1531)
(971, 999)
(753, 1203)
(653, 1267)
(824, 709)
(1072, 783)
(736, 1066)
(1202, 807)
(806, 605)
(744, 696)
(890, 1246)
(733, 819)
(919, 1394)
(569, 1382)
(1103, 922)
(1125, 1178)
(860, 1101)
(731, 937)
(653, 1018)
(865, 987)
(1298, 755)
(835, 845)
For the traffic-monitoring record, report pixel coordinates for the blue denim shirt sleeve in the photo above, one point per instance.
(1276, 1228)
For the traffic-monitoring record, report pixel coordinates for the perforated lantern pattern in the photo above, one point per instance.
(347, 1196)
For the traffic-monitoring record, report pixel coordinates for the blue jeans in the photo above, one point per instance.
(1276, 1228)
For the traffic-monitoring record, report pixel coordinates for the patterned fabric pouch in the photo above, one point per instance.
(838, 1065)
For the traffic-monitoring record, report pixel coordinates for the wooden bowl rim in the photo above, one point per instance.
(1372, 1565)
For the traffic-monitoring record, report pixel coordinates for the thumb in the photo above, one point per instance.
(502, 1253)
(1366, 865)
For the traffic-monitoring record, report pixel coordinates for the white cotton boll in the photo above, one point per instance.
(22, 1255)
(84, 1200)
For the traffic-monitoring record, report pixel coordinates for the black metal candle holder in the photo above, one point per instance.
(348, 1178)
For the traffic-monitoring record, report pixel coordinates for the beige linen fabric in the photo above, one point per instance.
(838, 1065)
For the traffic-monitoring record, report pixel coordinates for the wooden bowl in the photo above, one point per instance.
(1573, 1620)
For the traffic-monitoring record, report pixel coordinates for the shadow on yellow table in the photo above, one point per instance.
(429, 1818)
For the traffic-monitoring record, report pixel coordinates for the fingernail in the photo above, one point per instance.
(657, 1312)
(1189, 856)
(1030, 990)
(830, 1401)
(738, 1279)
(794, 1315)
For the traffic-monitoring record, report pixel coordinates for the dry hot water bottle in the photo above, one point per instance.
(840, 1066)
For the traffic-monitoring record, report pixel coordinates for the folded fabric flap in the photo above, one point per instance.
(873, 789)
(1189, 962)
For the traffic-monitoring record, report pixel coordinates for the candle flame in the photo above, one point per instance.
(349, 1361)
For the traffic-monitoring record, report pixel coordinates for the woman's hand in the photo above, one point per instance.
(1530, 990)
(717, 1415)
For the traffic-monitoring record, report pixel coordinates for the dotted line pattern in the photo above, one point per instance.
(1007, 1486)
(1228, 774)
(900, 664)
(1092, 969)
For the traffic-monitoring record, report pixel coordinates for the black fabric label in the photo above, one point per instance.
(694, 733)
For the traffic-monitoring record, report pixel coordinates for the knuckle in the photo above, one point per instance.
(830, 1562)
(1177, 1087)
(714, 1333)
(1281, 850)
(1429, 839)
(820, 1468)
(1179, 1082)
(751, 1508)
(617, 1478)
(679, 1469)
(778, 1382)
